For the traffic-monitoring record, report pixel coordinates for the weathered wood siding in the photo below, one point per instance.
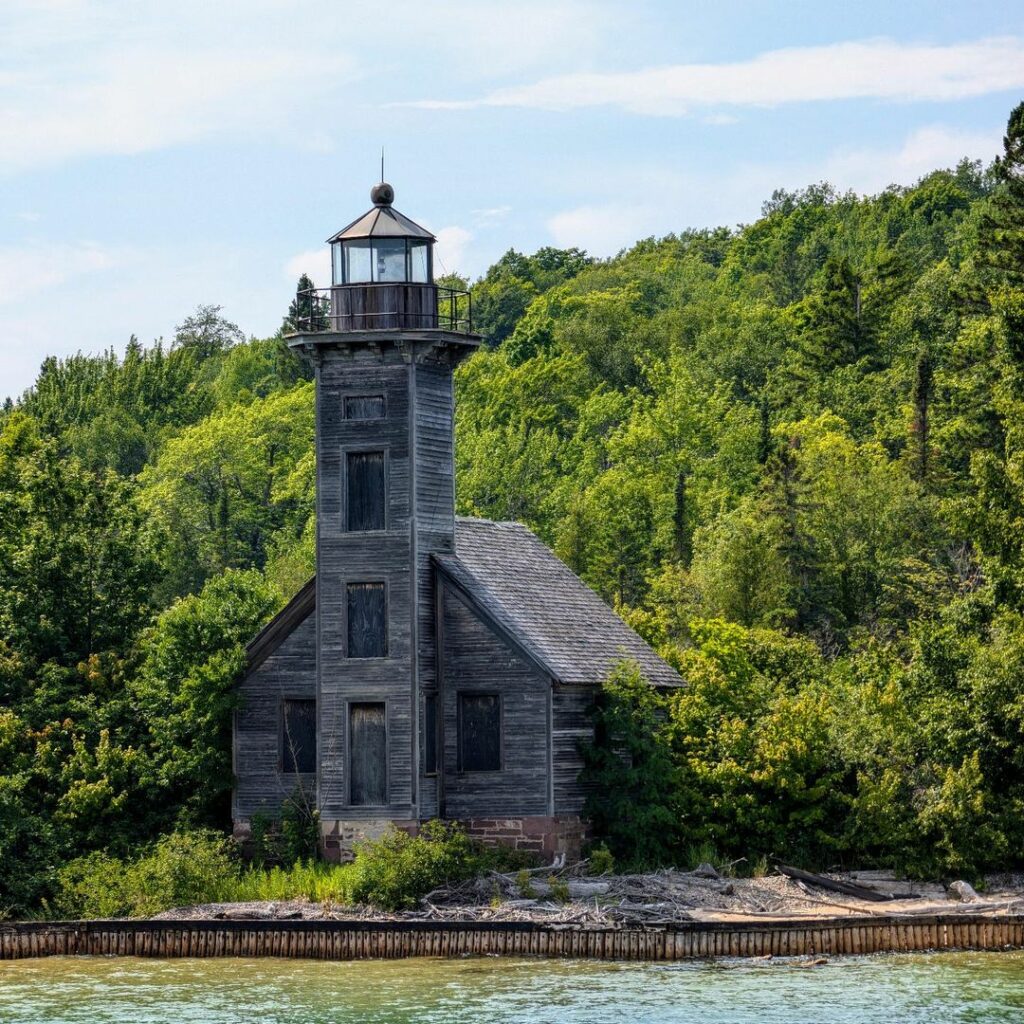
(435, 530)
(379, 556)
(290, 672)
(571, 726)
(476, 659)
(385, 306)
(419, 520)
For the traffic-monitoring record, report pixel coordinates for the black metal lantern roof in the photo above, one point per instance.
(383, 221)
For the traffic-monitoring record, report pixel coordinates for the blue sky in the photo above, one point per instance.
(154, 156)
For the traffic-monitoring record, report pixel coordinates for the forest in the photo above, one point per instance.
(789, 453)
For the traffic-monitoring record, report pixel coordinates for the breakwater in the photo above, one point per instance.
(355, 940)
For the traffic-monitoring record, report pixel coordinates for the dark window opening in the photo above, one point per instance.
(365, 478)
(430, 734)
(364, 407)
(479, 732)
(367, 621)
(298, 737)
(368, 754)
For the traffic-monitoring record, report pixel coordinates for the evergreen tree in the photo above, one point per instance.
(1001, 237)
(921, 399)
(308, 311)
(834, 331)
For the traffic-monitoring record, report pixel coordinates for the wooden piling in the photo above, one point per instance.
(353, 940)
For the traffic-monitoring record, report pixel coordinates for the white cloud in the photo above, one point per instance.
(148, 99)
(490, 216)
(871, 69)
(27, 269)
(682, 200)
(450, 250)
(489, 40)
(869, 170)
(605, 228)
(314, 262)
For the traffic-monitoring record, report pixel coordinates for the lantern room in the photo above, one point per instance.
(382, 247)
(382, 279)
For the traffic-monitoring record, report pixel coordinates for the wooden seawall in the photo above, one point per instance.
(355, 940)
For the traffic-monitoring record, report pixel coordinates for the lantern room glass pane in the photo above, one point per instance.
(358, 264)
(337, 267)
(419, 262)
(389, 259)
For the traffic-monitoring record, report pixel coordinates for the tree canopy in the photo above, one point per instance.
(791, 454)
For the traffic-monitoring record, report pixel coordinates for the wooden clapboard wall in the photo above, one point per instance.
(261, 783)
(477, 661)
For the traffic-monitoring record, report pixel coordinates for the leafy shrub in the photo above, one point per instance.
(396, 870)
(92, 886)
(632, 778)
(601, 861)
(559, 889)
(181, 869)
(292, 837)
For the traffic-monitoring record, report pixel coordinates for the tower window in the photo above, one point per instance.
(298, 737)
(479, 732)
(365, 490)
(368, 754)
(367, 620)
(364, 407)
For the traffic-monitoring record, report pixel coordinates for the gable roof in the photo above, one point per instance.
(534, 598)
(528, 594)
(277, 630)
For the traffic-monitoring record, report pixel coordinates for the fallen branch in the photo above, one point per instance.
(861, 892)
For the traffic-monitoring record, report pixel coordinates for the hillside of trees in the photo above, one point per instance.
(791, 454)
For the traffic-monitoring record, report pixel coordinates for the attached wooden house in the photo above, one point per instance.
(436, 666)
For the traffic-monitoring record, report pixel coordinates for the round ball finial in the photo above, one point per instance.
(382, 194)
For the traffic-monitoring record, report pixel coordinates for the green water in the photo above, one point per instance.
(948, 988)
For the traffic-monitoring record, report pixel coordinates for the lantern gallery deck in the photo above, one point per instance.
(450, 662)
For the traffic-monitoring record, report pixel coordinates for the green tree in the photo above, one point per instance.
(634, 794)
(185, 692)
(221, 489)
(207, 333)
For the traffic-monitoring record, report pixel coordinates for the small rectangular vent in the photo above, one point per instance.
(364, 407)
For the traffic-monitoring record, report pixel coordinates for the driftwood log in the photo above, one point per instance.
(862, 892)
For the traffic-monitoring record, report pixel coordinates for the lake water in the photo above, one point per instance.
(945, 987)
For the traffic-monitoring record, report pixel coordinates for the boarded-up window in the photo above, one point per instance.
(368, 754)
(365, 490)
(430, 734)
(479, 732)
(364, 407)
(298, 737)
(367, 621)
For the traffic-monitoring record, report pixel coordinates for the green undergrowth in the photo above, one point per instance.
(393, 873)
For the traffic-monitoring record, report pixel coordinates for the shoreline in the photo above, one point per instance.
(653, 941)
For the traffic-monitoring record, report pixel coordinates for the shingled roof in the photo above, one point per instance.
(514, 579)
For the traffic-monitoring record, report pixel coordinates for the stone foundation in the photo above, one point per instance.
(547, 837)
(338, 838)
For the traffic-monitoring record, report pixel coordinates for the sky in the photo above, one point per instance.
(158, 156)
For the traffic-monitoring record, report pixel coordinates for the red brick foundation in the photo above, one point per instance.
(549, 837)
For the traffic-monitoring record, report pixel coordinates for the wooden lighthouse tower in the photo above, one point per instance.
(436, 667)
(385, 503)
